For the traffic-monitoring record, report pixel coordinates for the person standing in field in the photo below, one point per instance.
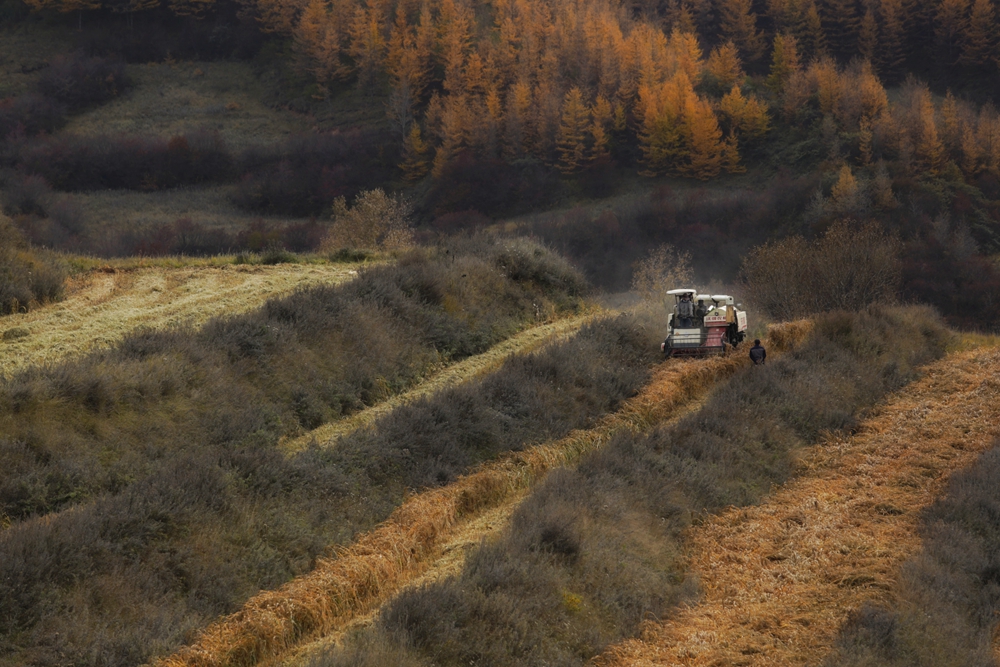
(757, 353)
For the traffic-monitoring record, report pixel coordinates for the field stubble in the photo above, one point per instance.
(424, 529)
(101, 308)
(780, 579)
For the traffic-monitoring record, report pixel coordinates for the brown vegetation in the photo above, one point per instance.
(780, 579)
(847, 269)
(156, 461)
(595, 550)
(368, 572)
(102, 307)
(525, 342)
(27, 277)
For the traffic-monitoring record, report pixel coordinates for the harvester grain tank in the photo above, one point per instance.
(716, 323)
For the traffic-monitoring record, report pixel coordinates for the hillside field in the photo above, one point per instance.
(330, 333)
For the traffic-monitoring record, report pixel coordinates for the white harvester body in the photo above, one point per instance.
(716, 324)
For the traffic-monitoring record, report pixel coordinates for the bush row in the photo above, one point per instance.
(69, 84)
(301, 176)
(165, 446)
(595, 550)
(27, 276)
(949, 594)
(51, 220)
(102, 163)
(716, 226)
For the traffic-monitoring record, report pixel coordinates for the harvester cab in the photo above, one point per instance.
(703, 324)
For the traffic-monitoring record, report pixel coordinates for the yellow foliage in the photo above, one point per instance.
(572, 130)
(748, 116)
(724, 65)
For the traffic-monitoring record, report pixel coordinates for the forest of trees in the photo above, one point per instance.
(661, 84)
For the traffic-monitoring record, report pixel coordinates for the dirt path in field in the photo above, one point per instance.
(427, 536)
(780, 579)
(101, 308)
(480, 364)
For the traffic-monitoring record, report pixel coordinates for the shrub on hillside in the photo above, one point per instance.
(492, 187)
(28, 115)
(306, 174)
(963, 285)
(717, 227)
(845, 269)
(79, 81)
(662, 270)
(27, 195)
(376, 221)
(27, 277)
(99, 163)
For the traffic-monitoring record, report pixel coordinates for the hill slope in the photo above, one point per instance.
(101, 308)
(780, 579)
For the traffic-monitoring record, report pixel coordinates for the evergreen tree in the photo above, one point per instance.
(971, 152)
(738, 24)
(415, 151)
(951, 131)
(603, 116)
(731, 156)
(868, 36)
(572, 131)
(892, 41)
(930, 151)
(949, 26)
(706, 148)
(814, 41)
(661, 138)
(724, 66)
(784, 62)
(745, 116)
(454, 40)
(841, 24)
(679, 17)
(865, 136)
(979, 39)
(517, 141)
(367, 45)
(454, 131)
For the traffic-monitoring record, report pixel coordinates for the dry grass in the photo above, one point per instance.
(780, 579)
(101, 308)
(171, 99)
(108, 212)
(364, 575)
(476, 366)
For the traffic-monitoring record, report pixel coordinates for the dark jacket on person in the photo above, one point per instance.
(685, 309)
(758, 354)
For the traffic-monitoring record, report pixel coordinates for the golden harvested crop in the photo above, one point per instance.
(780, 579)
(364, 575)
(102, 307)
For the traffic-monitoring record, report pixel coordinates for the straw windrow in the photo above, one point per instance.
(780, 579)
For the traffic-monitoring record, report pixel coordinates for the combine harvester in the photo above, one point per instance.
(703, 324)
